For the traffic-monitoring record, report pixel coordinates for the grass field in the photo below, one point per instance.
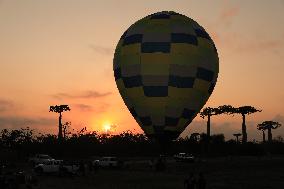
(220, 173)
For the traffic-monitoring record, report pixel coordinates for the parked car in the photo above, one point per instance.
(57, 166)
(107, 162)
(184, 157)
(40, 158)
(69, 167)
(51, 166)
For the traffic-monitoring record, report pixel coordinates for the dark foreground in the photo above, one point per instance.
(220, 173)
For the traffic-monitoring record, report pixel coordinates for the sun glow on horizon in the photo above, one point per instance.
(106, 127)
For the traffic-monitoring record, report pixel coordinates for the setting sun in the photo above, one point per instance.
(184, 94)
(106, 127)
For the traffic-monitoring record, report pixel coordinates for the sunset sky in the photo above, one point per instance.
(60, 52)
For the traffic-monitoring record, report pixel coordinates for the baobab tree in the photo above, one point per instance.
(263, 132)
(208, 112)
(237, 135)
(268, 125)
(59, 109)
(244, 110)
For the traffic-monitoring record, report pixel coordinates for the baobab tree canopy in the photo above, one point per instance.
(165, 66)
(245, 110)
(268, 125)
(59, 108)
(208, 111)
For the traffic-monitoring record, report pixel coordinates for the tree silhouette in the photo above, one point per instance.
(268, 125)
(59, 109)
(244, 110)
(225, 109)
(237, 135)
(16, 137)
(208, 112)
(263, 132)
(66, 129)
(218, 139)
(82, 144)
(195, 137)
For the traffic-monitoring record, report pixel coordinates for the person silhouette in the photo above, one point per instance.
(190, 182)
(82, 169)
(201, 182)
(151, 163)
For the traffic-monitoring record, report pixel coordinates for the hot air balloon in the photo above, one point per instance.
(165, 67)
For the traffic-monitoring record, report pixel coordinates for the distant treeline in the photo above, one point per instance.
(24, 142)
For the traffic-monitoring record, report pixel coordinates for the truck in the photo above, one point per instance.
(51, 166)
(57, 166)
(69, 167)
(40, 159)
(107, 162)
(184, 157)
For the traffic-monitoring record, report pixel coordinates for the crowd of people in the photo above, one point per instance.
(17, 180)
(195, 183)
(20, 179)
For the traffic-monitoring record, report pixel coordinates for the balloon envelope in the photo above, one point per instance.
(165, 67)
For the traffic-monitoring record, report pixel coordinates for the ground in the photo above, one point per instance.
(220, 173)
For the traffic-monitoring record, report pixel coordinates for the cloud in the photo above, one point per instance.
(14, 122)
(279, 131)
(279, 118)
(83, 107)
(88, 108)
(261, 45)
(101, 49)
(230, 12)
(5, 105)
(86, 94)
(194, 127)
(249, 44)
(240, 42)
(227, 13)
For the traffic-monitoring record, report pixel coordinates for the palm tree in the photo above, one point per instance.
(268, 125)
(244, 110)
(59, 109)
(208, 112)
(237, 135)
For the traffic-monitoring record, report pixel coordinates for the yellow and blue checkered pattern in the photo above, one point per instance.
(165, 67)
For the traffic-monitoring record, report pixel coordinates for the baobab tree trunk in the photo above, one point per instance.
(237, 139)
(269, 135)
(244, 129)
(263, 136)
(208, 134)
(208, 127)
(60, 127)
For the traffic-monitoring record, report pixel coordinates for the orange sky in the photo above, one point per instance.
(60, 52)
